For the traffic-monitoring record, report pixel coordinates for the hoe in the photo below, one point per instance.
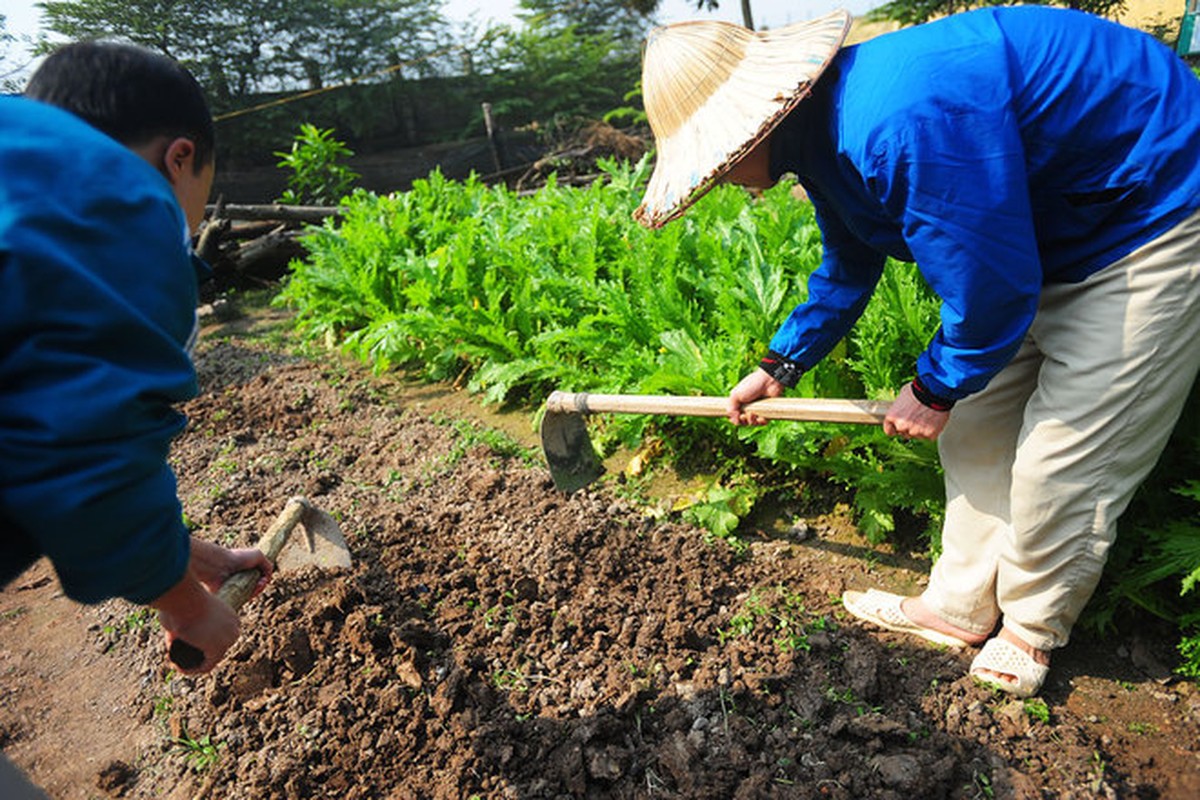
(572, 459)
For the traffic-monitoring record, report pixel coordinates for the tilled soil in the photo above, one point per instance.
(497, 639)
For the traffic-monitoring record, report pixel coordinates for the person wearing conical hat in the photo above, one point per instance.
(1040, 167)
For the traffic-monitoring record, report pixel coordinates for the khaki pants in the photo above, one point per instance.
(1041, 463)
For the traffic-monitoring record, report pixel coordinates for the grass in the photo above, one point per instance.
(1036, 709)
(201, 754)
(164, 704)
(469, 435)
(134, 620)
(776, 611)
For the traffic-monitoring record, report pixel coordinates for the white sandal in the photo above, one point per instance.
(1004, 657)
(883, 609)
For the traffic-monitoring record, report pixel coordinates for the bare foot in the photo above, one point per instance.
(915, 609)
(1040, 656)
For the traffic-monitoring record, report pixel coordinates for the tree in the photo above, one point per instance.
(13, 65)
(914, 12)
(648, 7)
(237, 47)
(747, 17)
(7, 70)
(553, 71)
(627, 21)
(712, 5)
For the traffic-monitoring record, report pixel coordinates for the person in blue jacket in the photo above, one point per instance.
(1041, 167)
(105, 167)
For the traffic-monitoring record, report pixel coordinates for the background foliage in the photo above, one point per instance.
(912, 12)
(11, 64)
(397, 73)
(317, 175)
(240, 47)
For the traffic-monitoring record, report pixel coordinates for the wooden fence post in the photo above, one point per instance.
(494, 138)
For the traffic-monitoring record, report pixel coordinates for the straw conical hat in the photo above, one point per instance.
(713, 90)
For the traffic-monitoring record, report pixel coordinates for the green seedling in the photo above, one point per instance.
(132, 621)
(164, 704)
(778, 611)
(1036, 709)
(983, 785)
(200, 753)
(509, 679)
(226, 465)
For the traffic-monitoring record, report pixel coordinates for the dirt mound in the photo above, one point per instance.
(496, 639)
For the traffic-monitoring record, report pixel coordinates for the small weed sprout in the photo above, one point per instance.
(469, 435)
(1037, 710)
(780, 611)
(133, 621)
(164, 704)
(200, 753)
(983, 785)
(509, 679)
(918, 734)
(490, 616)
(1099, 770)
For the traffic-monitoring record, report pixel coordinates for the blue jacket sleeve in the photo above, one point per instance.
(838, 291)
(97, 297)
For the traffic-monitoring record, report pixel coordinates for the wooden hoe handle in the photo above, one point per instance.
(796, 409)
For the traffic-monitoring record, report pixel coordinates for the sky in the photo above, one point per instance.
(22, 16)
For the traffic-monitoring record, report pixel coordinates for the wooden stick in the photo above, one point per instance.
(277, 212)
(798, 409)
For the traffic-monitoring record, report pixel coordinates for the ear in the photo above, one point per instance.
(179, 155)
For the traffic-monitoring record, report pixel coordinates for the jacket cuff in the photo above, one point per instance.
(928, 398)
(782, 369)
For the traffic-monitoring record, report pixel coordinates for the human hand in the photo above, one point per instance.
(909, 417)
(756, 385)
(213, 565)
(189, 612)
(192, 612)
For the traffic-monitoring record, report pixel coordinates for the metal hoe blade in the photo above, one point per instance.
(569, 454)
(322, 545)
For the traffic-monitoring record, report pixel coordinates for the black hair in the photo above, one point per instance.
(130, 93)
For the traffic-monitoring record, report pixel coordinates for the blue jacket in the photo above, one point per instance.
(97, 302)
(999, 149)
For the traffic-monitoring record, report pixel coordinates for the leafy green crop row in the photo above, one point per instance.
(518, 296)
(563, 290)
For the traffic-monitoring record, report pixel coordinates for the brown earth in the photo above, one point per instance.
(495, 639)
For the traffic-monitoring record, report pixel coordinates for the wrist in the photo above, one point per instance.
(928, 398)
(781, 368)
(183, 603)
